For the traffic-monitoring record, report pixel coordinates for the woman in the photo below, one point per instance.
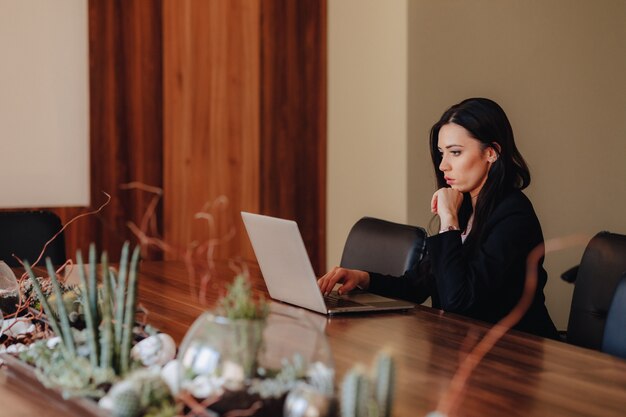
(476, 264)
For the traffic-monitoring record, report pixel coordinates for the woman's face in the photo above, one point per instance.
(463, 161)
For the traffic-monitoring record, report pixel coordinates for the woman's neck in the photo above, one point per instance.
(474, 199)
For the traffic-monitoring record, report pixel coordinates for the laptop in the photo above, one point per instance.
(289, 276)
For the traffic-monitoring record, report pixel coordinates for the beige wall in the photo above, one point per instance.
(44, 103)
(556, 67)
(367, 117)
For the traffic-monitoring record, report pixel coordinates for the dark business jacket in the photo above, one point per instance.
(486, 284)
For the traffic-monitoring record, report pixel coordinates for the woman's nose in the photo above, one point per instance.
(443, 165)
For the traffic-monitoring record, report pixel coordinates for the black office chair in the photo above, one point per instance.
(24, 233)
(384, 247)
(614, 341)
(602, 265)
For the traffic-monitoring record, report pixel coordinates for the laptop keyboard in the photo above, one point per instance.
(334, 300)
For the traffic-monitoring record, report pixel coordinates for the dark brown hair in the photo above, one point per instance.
(486, 122)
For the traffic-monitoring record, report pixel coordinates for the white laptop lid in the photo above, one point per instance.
(284, 261)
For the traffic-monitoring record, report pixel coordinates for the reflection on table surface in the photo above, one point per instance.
(522, 376)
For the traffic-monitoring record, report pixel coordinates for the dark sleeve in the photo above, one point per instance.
(464, 282)
(415, 285)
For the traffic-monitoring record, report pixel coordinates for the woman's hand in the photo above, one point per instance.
(351, 278)
(446, 203)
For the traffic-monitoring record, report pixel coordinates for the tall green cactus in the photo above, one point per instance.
(120, 297)
(90, 319)
(129, 313)
(66, 331)
(43, 300)
(93, 283)
(106, 325)
(109, 314)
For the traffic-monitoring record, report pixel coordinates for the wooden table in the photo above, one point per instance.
(522, 376)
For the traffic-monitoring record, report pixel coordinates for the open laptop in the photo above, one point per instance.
(289, 276)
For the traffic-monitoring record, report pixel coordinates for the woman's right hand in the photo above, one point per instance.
(446, 203)
(350, 278)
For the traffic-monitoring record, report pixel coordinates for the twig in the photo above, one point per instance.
(245, 412)
(450, 401)
(89, 213)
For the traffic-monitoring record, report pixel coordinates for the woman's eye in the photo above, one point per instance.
(455, 153)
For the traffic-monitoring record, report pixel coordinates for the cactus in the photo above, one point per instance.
(66, 331)
(115, 300)
(384, 383)
(121, 295)
(126, 404)
(355, 393)
(93, 284)
(45, 305)
(106, 337)
(90, 323)
(129, 313)
(362, 397)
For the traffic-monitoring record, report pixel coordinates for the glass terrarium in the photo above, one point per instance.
(255, 365)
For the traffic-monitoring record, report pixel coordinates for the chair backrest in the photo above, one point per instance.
(614, 341)
(602, 265)
(24, 233)
(384, 247)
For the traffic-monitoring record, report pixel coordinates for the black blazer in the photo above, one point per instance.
(486, 284)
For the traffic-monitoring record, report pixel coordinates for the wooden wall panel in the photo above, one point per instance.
(245, 116)
(293, 118)
(206, 99)
(211, 105)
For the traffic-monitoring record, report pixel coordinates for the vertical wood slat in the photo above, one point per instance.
(211, 134)
(293, 118)
(245, 116)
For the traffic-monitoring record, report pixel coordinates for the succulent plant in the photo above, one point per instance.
(248, 320)
(238, 303)
(142, 392)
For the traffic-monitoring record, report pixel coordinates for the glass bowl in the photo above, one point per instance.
(254, 364)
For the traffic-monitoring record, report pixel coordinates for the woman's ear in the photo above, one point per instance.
(493, 152)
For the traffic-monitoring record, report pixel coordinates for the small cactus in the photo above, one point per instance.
(126, 403)
(384, 383)
(365, 397)
(355, 393)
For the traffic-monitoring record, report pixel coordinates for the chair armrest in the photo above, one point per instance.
(570, 274)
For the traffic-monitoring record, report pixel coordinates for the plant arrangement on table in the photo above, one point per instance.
(233, 359)
(87, 335)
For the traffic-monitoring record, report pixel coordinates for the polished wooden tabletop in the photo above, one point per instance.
(522, 376)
